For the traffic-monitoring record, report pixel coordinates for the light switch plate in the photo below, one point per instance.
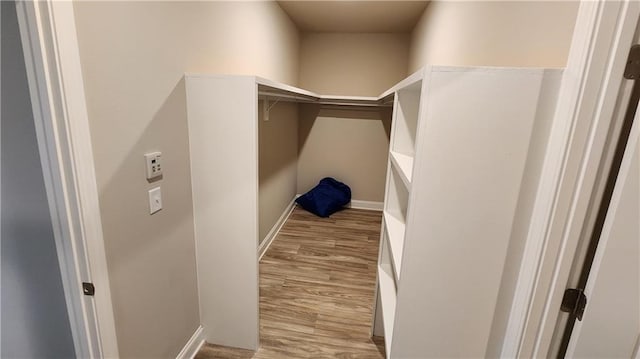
(155, 200)
(153, 162)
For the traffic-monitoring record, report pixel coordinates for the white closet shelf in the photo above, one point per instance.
(404, 165)
(350, 101)
(266, 84)
(268, 89)
(388, 298)
(411, 80)
(395, 233)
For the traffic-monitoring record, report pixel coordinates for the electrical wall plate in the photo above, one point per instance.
(153, 163)
(155, 200)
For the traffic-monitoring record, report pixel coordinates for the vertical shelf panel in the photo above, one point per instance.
(406, 121)
(395, 233)
(387, 287)
(225, 214)
(404, 166)
(397, 196)
(402, 150)
(460, 224)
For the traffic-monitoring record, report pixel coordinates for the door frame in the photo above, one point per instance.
(625, 169)
(56, 89)
(590, 88)
(587, 97)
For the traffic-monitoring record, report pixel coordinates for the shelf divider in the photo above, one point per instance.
(404, 164)
(388, 299)
(395, 232)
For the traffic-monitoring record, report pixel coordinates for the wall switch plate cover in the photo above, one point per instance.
(155, 200)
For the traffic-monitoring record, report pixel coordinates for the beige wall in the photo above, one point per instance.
(134, 55)
(352, 64)
(349, 145)
(493, 33)
(278, 159)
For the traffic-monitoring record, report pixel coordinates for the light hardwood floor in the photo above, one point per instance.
(317, 282)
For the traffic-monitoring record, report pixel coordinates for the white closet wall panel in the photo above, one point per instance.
(528, 193)
(224, 173)
(472, 146)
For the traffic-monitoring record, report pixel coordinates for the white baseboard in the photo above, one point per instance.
(368, 205)
(358, 204)
(264, 245)
(193, 345)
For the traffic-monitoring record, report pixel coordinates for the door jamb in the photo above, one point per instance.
(625, 168)
(588, 94)
(56, 88)
(57, 91)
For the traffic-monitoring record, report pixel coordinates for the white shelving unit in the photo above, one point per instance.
(395, 236)
(404, 165)
(398, 187)
(387, 289)
(458, 148)
(223, 117)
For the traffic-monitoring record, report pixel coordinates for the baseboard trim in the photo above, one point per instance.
(368, 205)
(193, 345)
(359, 204)
(268, 239)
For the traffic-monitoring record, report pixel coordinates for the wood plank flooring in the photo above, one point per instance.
(317, 282)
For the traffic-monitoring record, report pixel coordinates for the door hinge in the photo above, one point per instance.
(88, 288)
(632, 70)
(574, 302)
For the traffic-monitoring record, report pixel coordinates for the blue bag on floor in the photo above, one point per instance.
(326, 198)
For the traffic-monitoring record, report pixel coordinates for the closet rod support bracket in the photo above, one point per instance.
(266, 108)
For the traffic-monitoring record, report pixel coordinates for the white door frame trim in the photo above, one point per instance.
(623, 176)
(590, 88)
(57, 94)
(586, 102)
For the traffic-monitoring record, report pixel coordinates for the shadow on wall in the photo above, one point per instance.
(157, 249)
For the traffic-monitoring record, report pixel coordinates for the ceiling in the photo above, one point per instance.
(354, 16)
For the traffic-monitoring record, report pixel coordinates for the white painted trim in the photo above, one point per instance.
(622, 19)
(360, 204)
(368, 205)
(587, 97)
(623, 176)
(57, 93)
(548, 187)
(0, 177)
(192, 346)
(273, 233)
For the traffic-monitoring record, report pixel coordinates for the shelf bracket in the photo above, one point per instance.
(266, 108)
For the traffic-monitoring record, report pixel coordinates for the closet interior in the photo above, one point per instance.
(455, 133)
(246, 135)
